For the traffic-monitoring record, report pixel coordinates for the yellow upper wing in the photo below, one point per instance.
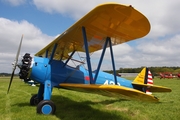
(111, 90)
(119, 22)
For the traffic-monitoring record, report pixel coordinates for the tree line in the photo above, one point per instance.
(7, 74)
(154, 70)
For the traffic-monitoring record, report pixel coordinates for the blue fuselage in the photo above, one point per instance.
(56, 71)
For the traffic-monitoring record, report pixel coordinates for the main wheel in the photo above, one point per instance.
(35, 100)
(46, 107)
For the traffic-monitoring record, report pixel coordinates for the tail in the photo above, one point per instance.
(144, 82)
(144, 77)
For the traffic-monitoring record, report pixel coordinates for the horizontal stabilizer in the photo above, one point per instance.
(153, 88)
(111, 90)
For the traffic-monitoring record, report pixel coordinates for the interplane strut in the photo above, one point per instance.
(108, 40)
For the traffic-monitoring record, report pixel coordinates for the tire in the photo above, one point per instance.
(34, 100)
(46, 107)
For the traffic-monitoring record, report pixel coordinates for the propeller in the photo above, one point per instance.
(15, 64)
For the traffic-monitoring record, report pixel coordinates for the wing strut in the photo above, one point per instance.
(46, 53)
(101, 59)
(53, 51)
(87, 54)
(112, 58)
(69, 58)
(108, 39)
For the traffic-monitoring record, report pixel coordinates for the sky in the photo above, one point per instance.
(40, 21)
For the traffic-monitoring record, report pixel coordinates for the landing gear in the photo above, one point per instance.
(35, 100)
(42, 99)
(46, 107)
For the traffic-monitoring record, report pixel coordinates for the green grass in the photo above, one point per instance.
(73, 105)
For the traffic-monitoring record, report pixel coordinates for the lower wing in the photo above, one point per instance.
(111, 90)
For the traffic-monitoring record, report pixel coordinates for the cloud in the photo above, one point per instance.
(10, 32)
(71, 8)
(15, 2)
(168, 46)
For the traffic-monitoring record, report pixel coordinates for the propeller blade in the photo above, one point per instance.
(15, 64)
(12, 75)
(19, 49)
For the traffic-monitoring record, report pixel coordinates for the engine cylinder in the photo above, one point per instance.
(25, 67)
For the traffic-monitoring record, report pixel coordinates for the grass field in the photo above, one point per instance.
(82, 106)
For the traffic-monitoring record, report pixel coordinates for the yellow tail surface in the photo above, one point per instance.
(140, 78)
(144, 82)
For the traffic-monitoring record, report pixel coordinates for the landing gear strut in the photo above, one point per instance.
(42, 99)
(35, 100)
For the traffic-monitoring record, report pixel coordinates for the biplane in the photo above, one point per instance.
(166, 75)
(106, 25)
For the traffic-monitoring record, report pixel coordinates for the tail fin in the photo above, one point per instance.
(144, 77)
(144, 82)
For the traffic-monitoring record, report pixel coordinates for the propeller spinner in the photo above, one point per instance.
(15, 64)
